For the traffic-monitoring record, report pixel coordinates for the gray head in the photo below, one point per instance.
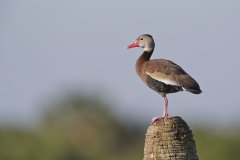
(145, 41)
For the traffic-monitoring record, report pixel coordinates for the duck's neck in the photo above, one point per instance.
(146, 55)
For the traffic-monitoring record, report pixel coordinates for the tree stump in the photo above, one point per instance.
(169, 139)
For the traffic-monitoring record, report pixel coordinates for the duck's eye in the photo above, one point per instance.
(141, 39)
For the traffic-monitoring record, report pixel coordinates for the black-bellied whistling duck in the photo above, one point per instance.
(163, 76)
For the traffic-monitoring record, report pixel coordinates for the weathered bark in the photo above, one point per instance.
(169, 139)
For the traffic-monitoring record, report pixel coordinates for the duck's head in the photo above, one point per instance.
(145, 41)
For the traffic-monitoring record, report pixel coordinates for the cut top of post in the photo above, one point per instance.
(169, 139)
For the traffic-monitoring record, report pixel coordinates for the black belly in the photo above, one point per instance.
(161, 87)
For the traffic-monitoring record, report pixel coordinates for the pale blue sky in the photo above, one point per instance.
(47, 47)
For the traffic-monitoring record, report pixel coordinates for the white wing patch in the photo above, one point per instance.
(164, 80)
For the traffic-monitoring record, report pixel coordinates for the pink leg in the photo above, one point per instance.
(165, 111)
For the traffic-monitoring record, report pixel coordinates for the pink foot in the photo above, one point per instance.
(155, 119)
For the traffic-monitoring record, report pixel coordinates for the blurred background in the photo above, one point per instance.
(68, 87)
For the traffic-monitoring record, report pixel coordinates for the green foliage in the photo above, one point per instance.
(83, 128)
(220, 145)
(76, 128)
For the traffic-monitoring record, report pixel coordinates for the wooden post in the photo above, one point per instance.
(169, 139)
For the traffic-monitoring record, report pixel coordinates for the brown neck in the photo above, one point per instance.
(141, 60)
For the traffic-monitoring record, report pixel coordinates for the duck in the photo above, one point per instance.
(161, 75)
